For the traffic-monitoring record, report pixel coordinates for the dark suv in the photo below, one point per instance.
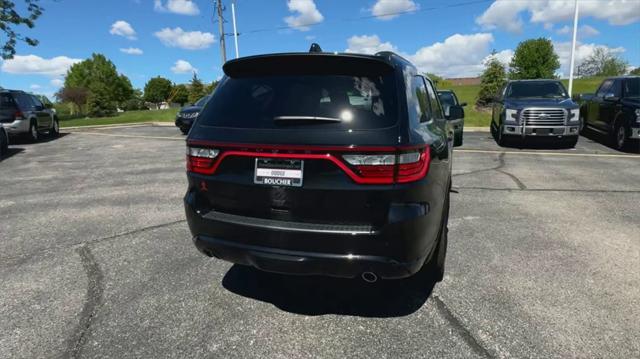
(323, 164)
(24, 114)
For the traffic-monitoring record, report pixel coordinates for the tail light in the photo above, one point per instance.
(200, 160)
(368, 165)
(402, 167)
(18, 115)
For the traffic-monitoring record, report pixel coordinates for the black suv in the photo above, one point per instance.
(322, 164)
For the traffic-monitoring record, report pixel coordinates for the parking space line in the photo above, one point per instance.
(551, 153)
(130, 136)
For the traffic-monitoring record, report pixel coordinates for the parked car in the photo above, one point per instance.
(614, 110)
(188, 114)
(448, 98)
(4, 142)
(535, 108)
(24, 114)
(322, 164)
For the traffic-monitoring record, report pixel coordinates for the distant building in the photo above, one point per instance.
(458, 81)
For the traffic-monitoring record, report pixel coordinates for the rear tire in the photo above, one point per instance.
(4, 143)
(55, 128)
(501, 140)
(34, 135)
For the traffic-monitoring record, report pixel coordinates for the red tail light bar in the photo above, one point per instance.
(363, 164)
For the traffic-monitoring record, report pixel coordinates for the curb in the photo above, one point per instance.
(131, 124)
(476, 129)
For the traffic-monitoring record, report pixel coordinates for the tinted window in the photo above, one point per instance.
(632, 87)
(23, 101)
(417, 101)
(536, 89)
(436, 109)
(6, 101)
(354, 101)
(447, 99)
(604, 88)
(203, 101)
(36, 101)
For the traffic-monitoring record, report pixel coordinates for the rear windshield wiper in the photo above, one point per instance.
(309, 119)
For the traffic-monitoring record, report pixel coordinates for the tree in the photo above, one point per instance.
(493, 79)
(100, 102)
(99, 74)
(75, 95)
(10, 18)
(212, 86)
(602, 62)
(180, 94)
(534, 59)
(157, 90)
(635, 71)
(196, 89)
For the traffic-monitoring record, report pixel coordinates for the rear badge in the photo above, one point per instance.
(278, 172)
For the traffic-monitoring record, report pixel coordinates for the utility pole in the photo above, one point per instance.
(573, 48)
(223, 48)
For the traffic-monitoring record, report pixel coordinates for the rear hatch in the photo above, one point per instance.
(305, 138)
(8, 108)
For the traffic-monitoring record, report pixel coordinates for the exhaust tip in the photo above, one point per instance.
(369, 277)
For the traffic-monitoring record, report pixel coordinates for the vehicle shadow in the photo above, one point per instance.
(11, 152)
(23, 140)
(316, 295)
(632, 147)
(537, 144)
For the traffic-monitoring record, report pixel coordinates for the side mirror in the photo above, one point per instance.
(611, 97)
(455, 113)
(463, 104)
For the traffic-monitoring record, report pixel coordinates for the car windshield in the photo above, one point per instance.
(551, 89)
(447, 99)
(203, 101)
(316, 101)
(632, 88)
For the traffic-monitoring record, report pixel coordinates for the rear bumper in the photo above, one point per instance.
(305, 263)
(16, 127)
(540, 131)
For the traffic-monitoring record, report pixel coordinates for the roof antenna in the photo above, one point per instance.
(315, 48)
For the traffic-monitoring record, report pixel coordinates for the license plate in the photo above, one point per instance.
(278, 172)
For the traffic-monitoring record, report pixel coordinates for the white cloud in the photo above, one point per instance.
(183, 67)
(307, 14)
(182, 7)
(132, 51)
(123, 28)
(35, 87)
(388, 9)
(57, 82)
(503, 56)
(563, 49)
(458, 56)
(189, 40)
(506, 13)
(368, 44)
(36, 65)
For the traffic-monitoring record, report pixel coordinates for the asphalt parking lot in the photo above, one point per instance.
(96, 261)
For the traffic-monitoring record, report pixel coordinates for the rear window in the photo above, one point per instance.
(313, 101)
(6, 101)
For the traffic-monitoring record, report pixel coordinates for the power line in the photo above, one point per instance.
(366, 17)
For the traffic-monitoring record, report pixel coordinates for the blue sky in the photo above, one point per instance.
(172, 38)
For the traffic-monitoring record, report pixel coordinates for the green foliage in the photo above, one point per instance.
(534, 59)
(493, 79)
(635, 71)
(157, 90)
(135, 103)
(98, 77)
(100, 103)
(10, 18)
(212, 86)
(196, 89)
(75, 96)
(180, 94)
(602, 62)
(168, 115)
